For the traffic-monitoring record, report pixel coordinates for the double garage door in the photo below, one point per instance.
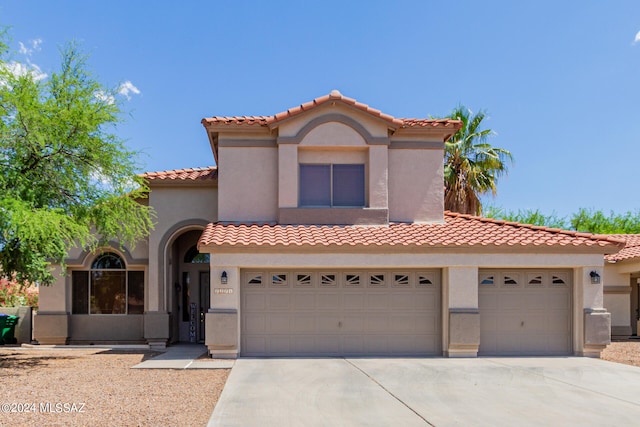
(341, 313)
(385, 312)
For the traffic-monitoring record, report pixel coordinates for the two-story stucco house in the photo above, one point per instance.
(322, 232)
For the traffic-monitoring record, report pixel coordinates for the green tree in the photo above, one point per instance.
(596, 221)
(585, 220)
(471, 165)
(527, 216)
(65, 177)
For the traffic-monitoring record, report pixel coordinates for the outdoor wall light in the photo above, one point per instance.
(595, 277)
(224, 278)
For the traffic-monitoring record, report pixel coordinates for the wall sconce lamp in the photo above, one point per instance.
(224, 278)
(595, 277)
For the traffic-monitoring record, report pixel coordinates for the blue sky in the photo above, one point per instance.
(560, 81)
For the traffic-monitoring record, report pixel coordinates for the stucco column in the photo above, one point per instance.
(51, 324)
(378, 166)
(461, 318)
(156, 318)
(287, 175)
(222, 323)
(597, 321)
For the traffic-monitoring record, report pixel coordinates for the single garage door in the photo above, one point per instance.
(340, 313)
(525, 312)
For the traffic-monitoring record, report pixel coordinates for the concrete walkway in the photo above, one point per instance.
(184, 356)
(569, 391)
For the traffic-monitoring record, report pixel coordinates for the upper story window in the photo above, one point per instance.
(107, 288)
(334, 185)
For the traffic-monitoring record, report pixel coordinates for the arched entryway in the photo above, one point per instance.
(190, 294)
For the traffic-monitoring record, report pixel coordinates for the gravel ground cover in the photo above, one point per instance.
(627, 352)
(96, 387)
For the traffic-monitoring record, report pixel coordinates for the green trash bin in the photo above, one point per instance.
(8, 328)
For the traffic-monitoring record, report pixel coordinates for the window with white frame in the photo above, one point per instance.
(333, 185)
(107, 288)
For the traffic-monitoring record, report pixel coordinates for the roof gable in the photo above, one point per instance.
(334, 96)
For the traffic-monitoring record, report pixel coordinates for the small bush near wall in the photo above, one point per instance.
(14, 295)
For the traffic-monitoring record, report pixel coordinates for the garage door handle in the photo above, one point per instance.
(339, 324)
(522, 323)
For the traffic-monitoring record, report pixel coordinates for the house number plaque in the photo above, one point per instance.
(222, 291)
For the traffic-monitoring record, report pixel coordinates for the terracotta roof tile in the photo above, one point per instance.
(631, 249)
(333, 96)
(457, 230)
(190, 174)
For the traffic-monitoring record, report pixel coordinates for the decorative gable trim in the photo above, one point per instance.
(337, 118)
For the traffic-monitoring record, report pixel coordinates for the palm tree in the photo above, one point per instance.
(471, 165)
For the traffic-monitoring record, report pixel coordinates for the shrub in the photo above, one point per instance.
(15, 295)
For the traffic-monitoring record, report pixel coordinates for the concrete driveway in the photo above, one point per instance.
(569, 391)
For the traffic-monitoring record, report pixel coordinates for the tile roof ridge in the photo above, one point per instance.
(572, 233)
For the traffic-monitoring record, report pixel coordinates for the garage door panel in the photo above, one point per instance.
(326, 314)
(278, 323)
(255, 302)
(400, 324)
(255, 323)
(303, 323)
(429, 324)
(278, 345)
(536, 300)
(304, 344)
(511, 299)
(559, 300)
(534, 319)
(353, 344)
(352, 324)
(377, 301)
(329, 344)
(303, 301)
(279, 301)
(256, 344)
(328, 323)
(353, 301)
(488, 301)
(329, 301)
(375, 324)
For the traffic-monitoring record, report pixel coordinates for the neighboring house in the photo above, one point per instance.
(622, 279)
(321, 233)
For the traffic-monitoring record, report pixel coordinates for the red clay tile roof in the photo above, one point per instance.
(457, 231)
(190, 174)
(631, 249)
(333, 96)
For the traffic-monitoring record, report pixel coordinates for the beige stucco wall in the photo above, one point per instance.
(333, 134)
(416, 188)
(248, 184)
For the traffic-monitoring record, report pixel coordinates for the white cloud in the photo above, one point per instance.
(32, 46)
(105, 97)
(18, 69)
(128, 88)
(637, 39)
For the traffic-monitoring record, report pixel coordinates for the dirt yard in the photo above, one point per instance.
(97, 388)
(627, 352)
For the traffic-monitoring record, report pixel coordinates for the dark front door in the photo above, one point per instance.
(205, 301)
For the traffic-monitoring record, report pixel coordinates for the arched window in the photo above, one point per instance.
(108, 287)
(194, 257)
